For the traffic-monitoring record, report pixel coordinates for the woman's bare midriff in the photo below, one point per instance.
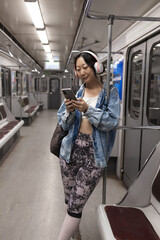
(86, 126)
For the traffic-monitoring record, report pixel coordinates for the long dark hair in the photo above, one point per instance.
(88, 58)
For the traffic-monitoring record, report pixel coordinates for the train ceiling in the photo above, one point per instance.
(66, 26)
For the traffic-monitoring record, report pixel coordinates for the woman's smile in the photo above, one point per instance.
(85, 78)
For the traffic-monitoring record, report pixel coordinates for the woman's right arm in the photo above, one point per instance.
(65, 118)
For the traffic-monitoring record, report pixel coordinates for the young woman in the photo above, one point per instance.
(85, 150)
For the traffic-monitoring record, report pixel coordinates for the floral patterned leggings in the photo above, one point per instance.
(80, 176)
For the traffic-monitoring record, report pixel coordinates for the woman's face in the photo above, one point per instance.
(84, 72)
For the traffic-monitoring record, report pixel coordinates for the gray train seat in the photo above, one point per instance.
(26, 106)
(9, 129)
(22, 108)
(34, 101)
(137, 216)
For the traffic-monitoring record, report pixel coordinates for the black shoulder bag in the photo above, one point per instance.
(56, 140)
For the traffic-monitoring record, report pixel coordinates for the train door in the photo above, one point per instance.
(134, 112)
(142, 106)
(54, 97)
(151, 113)
(6, 86)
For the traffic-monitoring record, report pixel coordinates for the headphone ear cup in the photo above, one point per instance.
(98, 67)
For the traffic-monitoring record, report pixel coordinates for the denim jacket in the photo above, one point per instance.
(104, 118)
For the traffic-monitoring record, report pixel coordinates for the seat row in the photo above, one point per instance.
(137, 216)
(23, 109)
(9, 129)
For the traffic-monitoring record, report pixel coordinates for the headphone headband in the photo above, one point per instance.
(93, 54)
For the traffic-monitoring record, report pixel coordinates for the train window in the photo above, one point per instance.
(36, 81)
(6, 82)
(40, 84)
(13, 80)
(135, 84)
(153, 104)
(25, 86)
(3, 83)
(18, 83)
(43, 84)
(54, 85)
(27, 83)
(66, 82)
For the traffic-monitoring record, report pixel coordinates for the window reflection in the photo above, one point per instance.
(18, 83)
(3, 83)
(153, 106)
(37, 88)
(8, 88)
(66, 82)
(54, 85)
(136, 81)
(43, 84)
(40, 84)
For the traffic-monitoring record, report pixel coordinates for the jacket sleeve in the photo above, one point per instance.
(106, 117)
(65, 118)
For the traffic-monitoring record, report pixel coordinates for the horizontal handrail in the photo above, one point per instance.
(128, 18)
(139, 127)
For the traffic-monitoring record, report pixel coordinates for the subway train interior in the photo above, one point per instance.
(39, 40)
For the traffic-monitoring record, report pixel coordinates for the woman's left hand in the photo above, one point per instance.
(81, 105)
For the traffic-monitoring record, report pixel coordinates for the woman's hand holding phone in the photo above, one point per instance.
(69, 95)
(72, 102)
(81, 105)
(69, 105)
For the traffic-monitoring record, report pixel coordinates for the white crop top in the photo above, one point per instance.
(91, 102)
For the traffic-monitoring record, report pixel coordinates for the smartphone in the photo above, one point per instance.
(68, 93)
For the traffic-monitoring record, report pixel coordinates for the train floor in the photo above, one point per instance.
(31, 192)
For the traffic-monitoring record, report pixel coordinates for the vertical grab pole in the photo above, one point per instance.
(20, 93)
(110, 23)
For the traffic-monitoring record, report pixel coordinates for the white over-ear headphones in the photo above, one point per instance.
(98, 66)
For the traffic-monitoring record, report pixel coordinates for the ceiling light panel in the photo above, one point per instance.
(43, 36)
(49, 56)
(35, 13)
(47, 48)
(52, 66)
